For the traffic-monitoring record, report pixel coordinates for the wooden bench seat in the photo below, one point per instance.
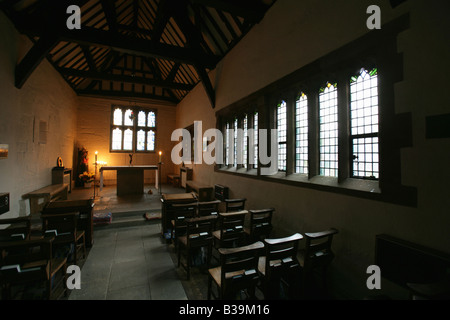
(204, 192)
(41, 197)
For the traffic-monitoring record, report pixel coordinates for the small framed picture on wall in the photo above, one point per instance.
(4, 151)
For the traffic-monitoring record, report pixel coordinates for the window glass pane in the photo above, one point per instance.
(141, 119)
(255, 136)
(116, 139)
(128, 140)
(151, 119)
(364, 103)
(118, 116)
(282, 135)
(301, 134)
(129, 117)
(227, 144)
(328, 118)
(364, 124)
(140, 140)
(245, 144)
(235, 142)
(151, 140)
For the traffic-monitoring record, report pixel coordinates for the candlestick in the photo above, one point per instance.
(160, 153)
(96, 152)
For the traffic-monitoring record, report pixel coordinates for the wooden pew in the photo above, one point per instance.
(39, 198)
(174, 180)
(204, 192)
(85, 207)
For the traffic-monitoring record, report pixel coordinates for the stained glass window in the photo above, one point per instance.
(235, 142)
(282, 135)
(118, 117)
(245, 144)
(328, 120)
(141, 140)
(116, 143)
(151, 140)
(255, 140)
(364, 124)
(130, 129)
(227, 143)
(128, 140)
(129, 117)
(301, 134)
(141, 119)
(151, 119)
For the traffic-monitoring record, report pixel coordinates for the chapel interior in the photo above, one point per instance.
(224, 149)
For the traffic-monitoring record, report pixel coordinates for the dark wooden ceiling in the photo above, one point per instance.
(152, 50)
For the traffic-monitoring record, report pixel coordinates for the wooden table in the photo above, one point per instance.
(130, 179)
(39, 198)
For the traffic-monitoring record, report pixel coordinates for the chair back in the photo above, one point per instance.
(183, 211)
(25, 260)
(199, 231)
(15, 229)
(281, 255)
(239, 269)
(232, 232)
(61, 225)
(233, 205)
(318, 251)
(208, 208)
(260, 224)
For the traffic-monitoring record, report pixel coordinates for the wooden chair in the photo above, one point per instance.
(208, 208)
(28, 262)
(15, 229)
(233, 205)
(181, 212)
(63, 226)
(198, 235)
(260, 224)
(315, 260)
(280, 267)
(231, 232)
(237, 273)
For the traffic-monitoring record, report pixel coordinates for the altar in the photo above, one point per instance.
(130, 179)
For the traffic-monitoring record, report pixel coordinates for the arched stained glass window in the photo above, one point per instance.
(141, 119)
(118, 117)
(328, 120)
(282, 135)
(151, 119)
(255, 140)
(245, 142)
(364, 124)
(301, 134)
(129, 117)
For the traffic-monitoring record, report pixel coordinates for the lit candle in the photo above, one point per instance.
(96, 152)
(160, 153)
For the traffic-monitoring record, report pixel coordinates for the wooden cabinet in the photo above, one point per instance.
(61, 175)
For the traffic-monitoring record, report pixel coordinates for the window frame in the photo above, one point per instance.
(372, 49)
(134, 127)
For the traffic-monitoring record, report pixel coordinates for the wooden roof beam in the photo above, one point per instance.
(124, 78)
(33, 58)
